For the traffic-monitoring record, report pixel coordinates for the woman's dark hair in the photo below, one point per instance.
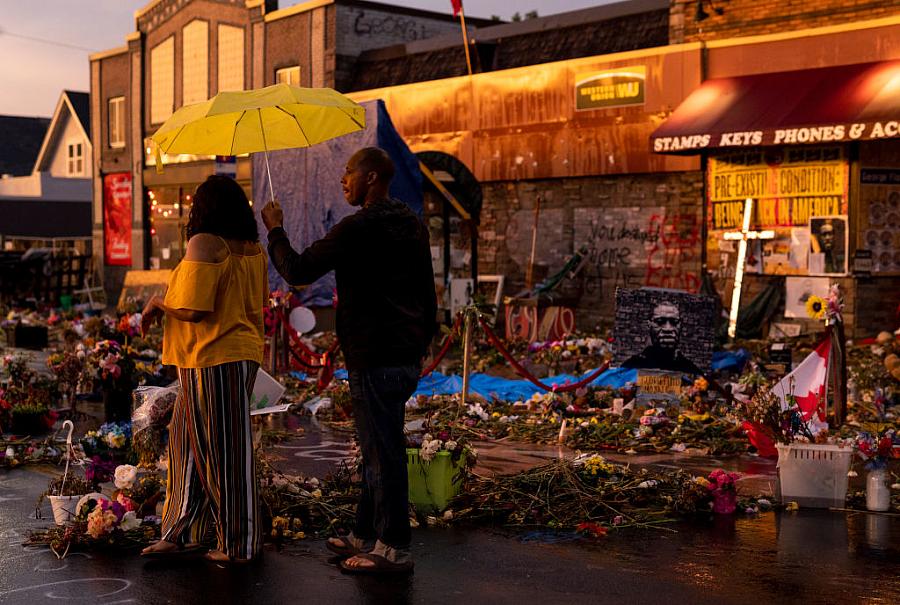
(221, 207)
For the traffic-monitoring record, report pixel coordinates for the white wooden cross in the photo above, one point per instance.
(742, 236)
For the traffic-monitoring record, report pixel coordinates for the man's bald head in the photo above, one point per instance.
(375, 159)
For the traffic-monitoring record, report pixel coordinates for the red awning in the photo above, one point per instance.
(814, 106)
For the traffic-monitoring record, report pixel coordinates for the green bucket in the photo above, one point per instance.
(431, 484)
(65, 301)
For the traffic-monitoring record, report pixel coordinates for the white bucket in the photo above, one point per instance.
(63, 508)
(814, 476)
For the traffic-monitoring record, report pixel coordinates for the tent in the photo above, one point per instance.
(307, 183)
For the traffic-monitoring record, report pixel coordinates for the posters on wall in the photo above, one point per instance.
(792, 188)
(663, 329)
(879, 218)
(828, 243)
(117, 219)
(798, 290)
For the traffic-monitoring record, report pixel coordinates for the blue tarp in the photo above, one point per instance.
(503, 388)
(730, 360)
(307, 183)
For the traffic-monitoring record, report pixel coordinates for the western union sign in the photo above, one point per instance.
(618, 87)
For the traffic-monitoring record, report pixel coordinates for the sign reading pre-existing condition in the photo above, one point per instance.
(791, 185)
(617, 87)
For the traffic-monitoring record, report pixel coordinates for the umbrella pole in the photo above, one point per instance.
(266, 151)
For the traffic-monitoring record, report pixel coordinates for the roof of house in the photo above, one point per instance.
(594, 31)
(81, 103)
(20, 141)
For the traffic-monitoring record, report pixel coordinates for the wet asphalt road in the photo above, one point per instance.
(804, 557)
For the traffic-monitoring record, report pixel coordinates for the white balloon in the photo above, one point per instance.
(302, 320)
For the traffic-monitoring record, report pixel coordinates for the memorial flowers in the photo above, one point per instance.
(815, 307)
(876, 449)
(721, 485)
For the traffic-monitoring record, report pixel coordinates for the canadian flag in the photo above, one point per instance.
(457, 6)
(807, 384)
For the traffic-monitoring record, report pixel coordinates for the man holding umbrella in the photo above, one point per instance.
(385, 321)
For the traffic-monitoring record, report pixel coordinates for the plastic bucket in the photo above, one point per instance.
(813, 476)
(431, 484)
(63, 508)
(65, 301)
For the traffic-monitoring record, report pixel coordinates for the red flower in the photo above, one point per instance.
(591, 529)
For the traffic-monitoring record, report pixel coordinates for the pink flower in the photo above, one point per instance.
(109, 364)
(126, 502)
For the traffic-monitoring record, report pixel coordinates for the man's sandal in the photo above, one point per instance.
(376, 565)
(180, 551)
(344, 546)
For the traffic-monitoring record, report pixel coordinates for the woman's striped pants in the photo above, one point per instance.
(212, 473)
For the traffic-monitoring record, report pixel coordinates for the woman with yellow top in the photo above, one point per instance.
(213, 333)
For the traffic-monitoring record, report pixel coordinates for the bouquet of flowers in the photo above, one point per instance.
(129, 324)
(135, 494)
(722, 488)
(876, 450)
(112, 366)
(461, 452)
(68, 368)
(110, 438)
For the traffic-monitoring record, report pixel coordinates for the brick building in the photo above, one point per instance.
(186, 51)
(561, 109)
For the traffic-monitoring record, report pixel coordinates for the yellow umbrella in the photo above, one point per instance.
(247, 121)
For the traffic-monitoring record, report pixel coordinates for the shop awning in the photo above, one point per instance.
(809, 107)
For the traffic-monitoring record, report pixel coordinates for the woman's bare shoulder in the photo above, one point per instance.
(206, 248)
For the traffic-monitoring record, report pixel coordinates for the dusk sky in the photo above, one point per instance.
(34, 72)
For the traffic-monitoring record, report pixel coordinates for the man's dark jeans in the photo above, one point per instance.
(379, 398)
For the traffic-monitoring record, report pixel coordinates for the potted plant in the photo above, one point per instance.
(64, 493)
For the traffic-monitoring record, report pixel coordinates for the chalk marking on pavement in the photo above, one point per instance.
(51, 595)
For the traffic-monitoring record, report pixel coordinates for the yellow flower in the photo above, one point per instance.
(701, 481)
(792, 506)
(815, 307)
(594, 420)
(495, 415)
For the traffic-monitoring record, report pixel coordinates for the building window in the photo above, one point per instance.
(75, 158)
(116, 122)
(195, 62)
(231, 58)
(162, 81)
(288, 75)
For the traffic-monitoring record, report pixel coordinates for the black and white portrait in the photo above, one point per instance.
(664, 330)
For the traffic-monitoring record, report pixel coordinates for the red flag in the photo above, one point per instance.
(457, 7)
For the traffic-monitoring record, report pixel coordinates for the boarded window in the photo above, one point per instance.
(288, 75)
(195, 62)
(231, 58)
(116, 122)
(162, 81)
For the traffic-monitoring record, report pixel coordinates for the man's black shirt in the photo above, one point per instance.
(385, 283)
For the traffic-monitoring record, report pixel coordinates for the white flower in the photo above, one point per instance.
(129, 521)
(126, 475)
(647, 484)
(427, 438)
(450, 446)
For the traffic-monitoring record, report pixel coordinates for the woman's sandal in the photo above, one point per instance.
(217, 556)
(178, 552)
(379, 565)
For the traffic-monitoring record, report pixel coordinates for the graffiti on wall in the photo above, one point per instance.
(674, 259)
(633, 247)
(393, 26)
